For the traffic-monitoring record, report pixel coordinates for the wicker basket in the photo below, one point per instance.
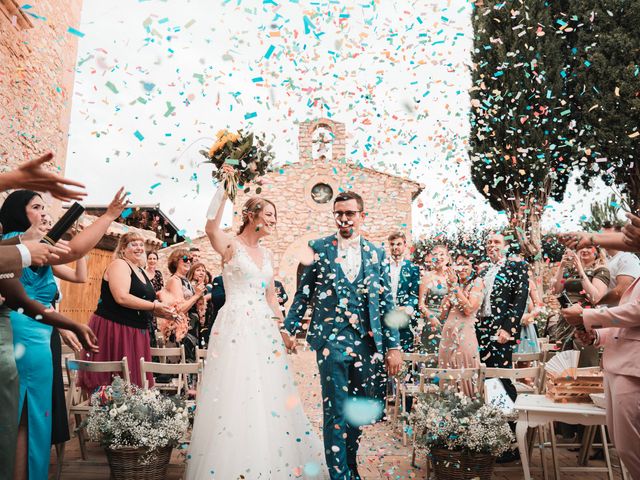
(127, 463)
(456, 465)
(567, 389)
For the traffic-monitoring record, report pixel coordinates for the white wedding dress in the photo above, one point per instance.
(249, 420)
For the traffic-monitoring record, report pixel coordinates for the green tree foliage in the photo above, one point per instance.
(603, 214)
(606, 69)
(522, 119)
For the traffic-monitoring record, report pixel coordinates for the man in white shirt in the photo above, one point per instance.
(348, 289)
(624, 268)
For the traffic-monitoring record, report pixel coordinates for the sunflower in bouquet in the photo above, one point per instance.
(248, 154)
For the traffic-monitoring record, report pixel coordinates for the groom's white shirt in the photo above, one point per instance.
(350, 255)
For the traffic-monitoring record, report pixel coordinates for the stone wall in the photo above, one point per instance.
(37, 58)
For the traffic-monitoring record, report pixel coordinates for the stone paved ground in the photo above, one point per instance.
(382, 456)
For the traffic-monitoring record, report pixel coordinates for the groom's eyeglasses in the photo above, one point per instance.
(350, 214)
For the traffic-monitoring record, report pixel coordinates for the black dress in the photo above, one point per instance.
(59, 419)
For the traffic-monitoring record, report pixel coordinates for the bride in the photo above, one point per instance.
(249, 420)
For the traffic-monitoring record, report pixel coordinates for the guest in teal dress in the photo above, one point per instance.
(31, 339)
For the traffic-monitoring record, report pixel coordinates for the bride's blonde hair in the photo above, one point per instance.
(254, 206)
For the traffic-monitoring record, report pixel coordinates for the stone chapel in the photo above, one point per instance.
(304, 191)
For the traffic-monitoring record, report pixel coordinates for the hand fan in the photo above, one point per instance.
(564, 364)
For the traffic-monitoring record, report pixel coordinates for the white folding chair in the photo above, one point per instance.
(174, 354)
(77, 400)
(404, 387)
(165, 352)
(201, 355)
(535, 360)
(181, 370)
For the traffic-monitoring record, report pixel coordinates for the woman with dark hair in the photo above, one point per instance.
(459, 344)
(155, 276)
(152, 271)
(182, 295)
(22, 211)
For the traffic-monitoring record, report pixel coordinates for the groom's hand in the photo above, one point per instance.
(393, 362)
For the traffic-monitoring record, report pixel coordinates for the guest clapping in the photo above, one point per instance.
(121, 320)
(181, 294)
(459, 345)
(582, 278)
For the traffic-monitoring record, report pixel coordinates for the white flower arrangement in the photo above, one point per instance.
(123, 415)
(453, 421)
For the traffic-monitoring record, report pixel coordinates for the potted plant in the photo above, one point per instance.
(138, 429)
(461, 435)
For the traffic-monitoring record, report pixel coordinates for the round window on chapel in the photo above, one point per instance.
(322, 193)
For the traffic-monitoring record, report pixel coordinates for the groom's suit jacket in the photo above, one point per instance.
(317, 289)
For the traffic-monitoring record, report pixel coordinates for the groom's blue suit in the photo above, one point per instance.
(350, 338)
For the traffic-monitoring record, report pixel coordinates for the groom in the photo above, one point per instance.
(348, 288)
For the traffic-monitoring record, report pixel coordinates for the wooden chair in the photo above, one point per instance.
(403, 388)
(451, 375)
(534, 360)
(179, 369)
(165, 352)
(162, 354)
(77, 400)
(201, 355)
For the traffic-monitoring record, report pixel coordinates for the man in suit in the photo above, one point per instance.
(505, 300)
(348, 289)
(405, 280)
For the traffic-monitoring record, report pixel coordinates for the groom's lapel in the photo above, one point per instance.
(369, 272)
(332, 256)
(367, 261)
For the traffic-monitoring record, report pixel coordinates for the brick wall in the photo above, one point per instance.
(37, 61)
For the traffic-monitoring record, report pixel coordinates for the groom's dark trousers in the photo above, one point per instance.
(349, 371)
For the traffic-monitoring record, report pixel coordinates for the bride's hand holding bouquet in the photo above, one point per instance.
(239, 159)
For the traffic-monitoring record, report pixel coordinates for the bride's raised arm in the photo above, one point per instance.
(221, 241)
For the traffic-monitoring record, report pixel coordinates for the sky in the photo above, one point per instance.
(155, 80)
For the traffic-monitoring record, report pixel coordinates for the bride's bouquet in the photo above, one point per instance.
(248, 154)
